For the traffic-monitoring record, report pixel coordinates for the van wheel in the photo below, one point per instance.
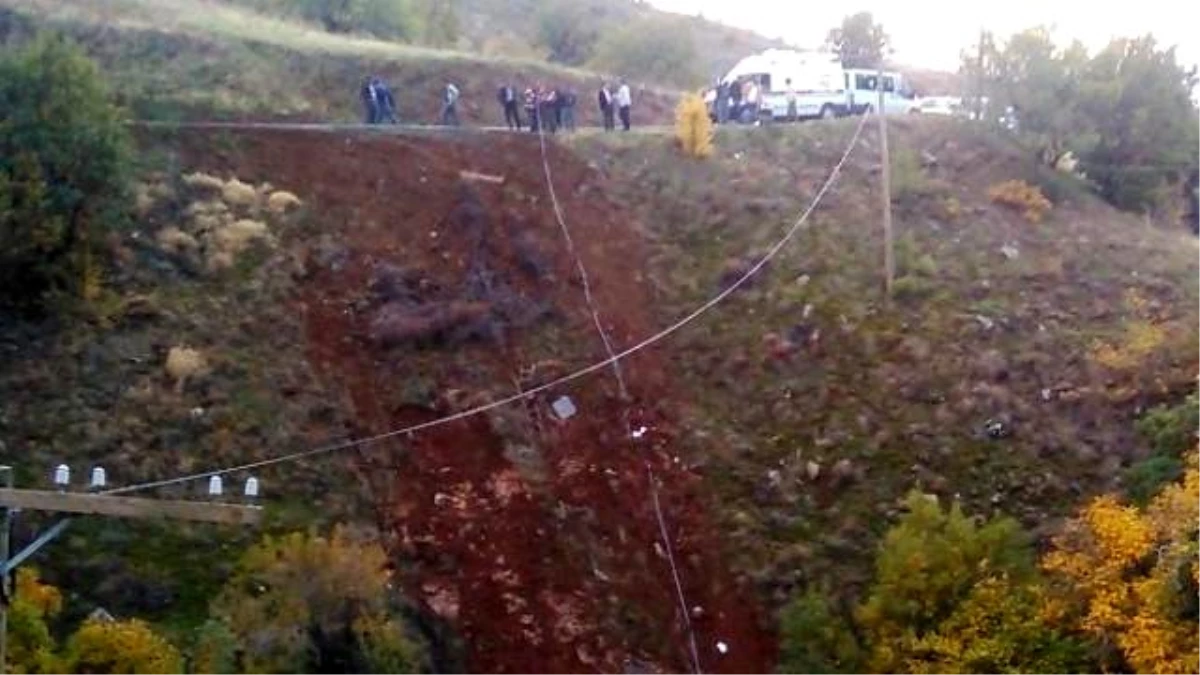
(827, 112)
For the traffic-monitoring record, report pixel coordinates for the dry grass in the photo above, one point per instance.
(237, 193)
(211, 18)
(184, 363)
(281, 201)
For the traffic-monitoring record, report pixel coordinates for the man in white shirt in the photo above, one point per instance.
(624, 101)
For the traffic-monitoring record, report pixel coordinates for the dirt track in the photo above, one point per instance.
(532, 536)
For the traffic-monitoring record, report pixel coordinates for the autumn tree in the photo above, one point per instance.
(859, 41)
(1127, 578)
(30, 645)
(129, 646)
(308, 603)
(693, 127)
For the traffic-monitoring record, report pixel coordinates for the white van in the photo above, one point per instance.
(862, 92)
(814, 77)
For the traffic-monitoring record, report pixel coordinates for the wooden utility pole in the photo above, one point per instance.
(889, 261)
(93, 504)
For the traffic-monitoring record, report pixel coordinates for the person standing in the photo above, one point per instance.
(385, 103)
(568, 109)
(752, 102)
(450, 105)
(624, 103)
(532, 100)
(605, 98)
(548, 110)
(721, 102)
(792, 108)
(735, 101)
(370, 106)
(508, 100)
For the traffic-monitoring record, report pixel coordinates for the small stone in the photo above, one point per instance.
(812, 470)
(1009, 251)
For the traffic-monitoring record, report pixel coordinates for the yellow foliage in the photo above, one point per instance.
(1142, 337)
(45, 598)
(121, 647)
(282, 200)
(1125, 572)
(693, 127)
(290, 590)
(1021, 196)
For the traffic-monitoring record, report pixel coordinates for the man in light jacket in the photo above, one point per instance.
(624, 100)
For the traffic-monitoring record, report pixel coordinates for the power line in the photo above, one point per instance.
(529, 393)
(651, 479)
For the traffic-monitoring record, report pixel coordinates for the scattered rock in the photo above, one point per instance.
(1009, 251)
(844, 472)
(928, 160)
(812, 470)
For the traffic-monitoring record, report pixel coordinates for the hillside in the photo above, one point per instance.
(181, 59)
(784, 426)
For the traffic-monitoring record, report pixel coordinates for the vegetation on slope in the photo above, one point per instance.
(818, 405)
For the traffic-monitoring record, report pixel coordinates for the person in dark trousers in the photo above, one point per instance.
(605, 99)
(450, 105)
(367, 94)
(721, 103)
(624, 103)
(533, 102)
(385, 103)
(508, 100)
(735, 100)
(548, 110)
(568, 109)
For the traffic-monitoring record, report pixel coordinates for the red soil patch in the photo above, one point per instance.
(533, 537)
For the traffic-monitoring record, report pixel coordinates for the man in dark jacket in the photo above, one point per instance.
(508, 100)
(370, 107)
(604, 97)
(567, 106)
(548, 110)
(385, 103)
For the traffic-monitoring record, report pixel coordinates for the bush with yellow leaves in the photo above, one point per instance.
(693, 127)
(184, 363)
(129, 646)
(1141, 337)
(298, 599)
(1023, 197)
(1128, 577)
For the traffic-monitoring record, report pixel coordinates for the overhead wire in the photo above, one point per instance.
(663, 533)
(525, 394)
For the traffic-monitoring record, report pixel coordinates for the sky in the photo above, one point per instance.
(932, 33)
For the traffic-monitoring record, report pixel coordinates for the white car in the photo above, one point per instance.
(940, 105)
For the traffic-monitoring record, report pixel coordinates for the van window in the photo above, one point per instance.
(866, 82)
(889, 84)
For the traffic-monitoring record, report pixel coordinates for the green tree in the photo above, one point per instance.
(568, 31)
(659, 50)
(65, 163)
(1138, 100)
(815, 638)
(305, 603)
(859, 41)
(439, 22)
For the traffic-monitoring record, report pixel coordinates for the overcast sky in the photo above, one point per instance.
(931, 33)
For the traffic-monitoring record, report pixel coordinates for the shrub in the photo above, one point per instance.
(64, 172)
(305, 603)
(120, 647)
(1021, 196)
(1145, 478)
(1171, 430)
(815, 638)
(693, 127)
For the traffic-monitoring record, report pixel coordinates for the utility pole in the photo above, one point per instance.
(979, 88)
(12, 500)
(5, 591)
(889, 261)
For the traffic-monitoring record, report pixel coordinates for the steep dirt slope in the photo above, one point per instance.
(425, 294)
(818, 405)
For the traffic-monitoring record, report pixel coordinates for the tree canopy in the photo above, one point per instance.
(860, 41)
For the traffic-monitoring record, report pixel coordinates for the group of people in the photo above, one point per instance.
(741, 100)
(546, 108)
(379, 104)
